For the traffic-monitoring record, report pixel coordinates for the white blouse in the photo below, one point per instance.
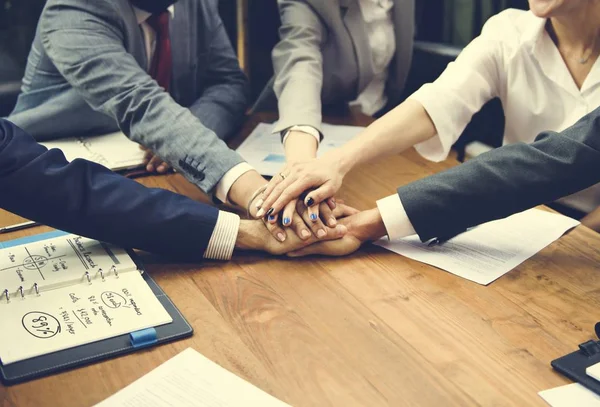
(515, 60)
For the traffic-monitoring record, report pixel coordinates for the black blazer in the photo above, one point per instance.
(88, 199)
(505, 181)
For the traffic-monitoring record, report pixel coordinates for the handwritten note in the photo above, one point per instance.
(83, 313)
(58, 262)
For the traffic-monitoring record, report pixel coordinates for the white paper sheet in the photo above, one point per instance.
(264, 151)
(77, 315)
(594, 371)
(114, 151)
(488, 251)
(191, 380)
(570, 395)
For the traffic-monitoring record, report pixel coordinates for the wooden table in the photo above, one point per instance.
(372, 329)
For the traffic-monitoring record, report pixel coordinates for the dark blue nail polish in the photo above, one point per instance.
(310, 202)
(271, 217)
(270, 211)
(313, 216)
(286, 221)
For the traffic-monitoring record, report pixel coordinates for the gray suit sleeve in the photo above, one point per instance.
(298, 65)
(85, 42)
(505, 181)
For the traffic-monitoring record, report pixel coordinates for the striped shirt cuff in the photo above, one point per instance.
(222, 242)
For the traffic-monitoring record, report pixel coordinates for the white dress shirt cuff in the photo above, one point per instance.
(222, 241)
(305, 129)
(394, 217)
(223, 187)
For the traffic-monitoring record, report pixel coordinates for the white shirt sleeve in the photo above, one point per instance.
(396, 221)
(305, 129)
(222, 241)
(463, 88)
(223, 187)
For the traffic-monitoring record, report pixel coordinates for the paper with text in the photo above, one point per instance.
(114, 150)
(488, 251)
(57, 262)
(191, 380)
(570, 395)
(264, 151)
(77, 315)
(594, 371)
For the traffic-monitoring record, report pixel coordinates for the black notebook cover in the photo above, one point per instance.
(93, 352)
(574, 364)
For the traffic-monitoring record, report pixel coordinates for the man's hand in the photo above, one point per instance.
(154, 162)
(253, 235)
(362, 227)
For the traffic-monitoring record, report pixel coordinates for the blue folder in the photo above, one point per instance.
(56, 362)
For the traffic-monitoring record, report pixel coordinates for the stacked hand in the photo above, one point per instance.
(321, 177)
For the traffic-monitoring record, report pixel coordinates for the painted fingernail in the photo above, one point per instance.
(269, 212)
(259, 203)
(281, 237)
(271, 217)
(260, 213)
(332, 222)
(310, 202)
(286, 221)
(313, 216)
(321, 233)
(305, 233)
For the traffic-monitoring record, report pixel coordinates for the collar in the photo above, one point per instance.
(142, 15)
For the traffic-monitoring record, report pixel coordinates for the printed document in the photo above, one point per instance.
(488, 251)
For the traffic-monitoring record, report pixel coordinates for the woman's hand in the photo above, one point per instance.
(361, 227)
(321, 176)
(304, 222)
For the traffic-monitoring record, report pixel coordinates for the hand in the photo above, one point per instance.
(152, 162)
(362, 227)
(302, 222)
(325, 174)
(253, 235)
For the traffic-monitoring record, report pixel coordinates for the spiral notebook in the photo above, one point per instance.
(114, 151)
(67, 300)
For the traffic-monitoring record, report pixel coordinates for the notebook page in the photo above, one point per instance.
(58, 262)
(593, 371)
(77, 315)
(114, 150)
(191, 380)
(71, 148)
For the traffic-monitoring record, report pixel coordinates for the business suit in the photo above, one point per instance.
(324, 58)
(86, 73)
(87, 199)
(505, 181)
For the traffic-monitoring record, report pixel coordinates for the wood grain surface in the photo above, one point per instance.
(372, 329)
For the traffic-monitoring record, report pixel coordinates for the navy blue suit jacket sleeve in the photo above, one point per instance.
(89, 200)
(505, 181)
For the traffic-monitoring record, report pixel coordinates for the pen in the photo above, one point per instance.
(18, 226)
(441, 240)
